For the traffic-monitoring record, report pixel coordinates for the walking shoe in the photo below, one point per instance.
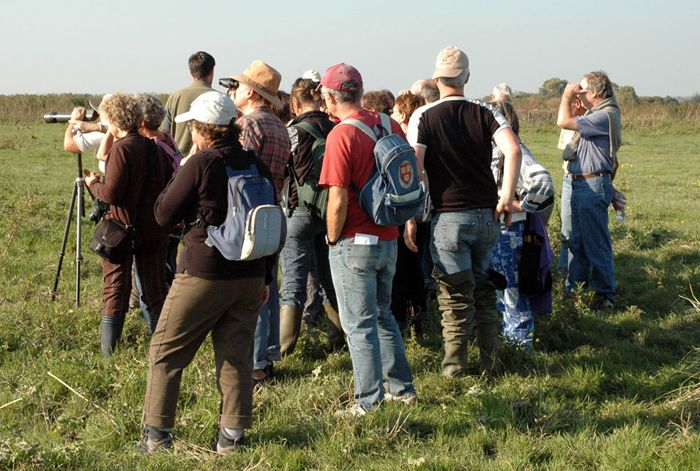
(408, 399)
(226, 444)
(601, 303)
(154, 439)
(354, 411)
(266, 374)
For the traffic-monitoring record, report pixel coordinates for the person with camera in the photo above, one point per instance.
(210, 294)
(137, 171)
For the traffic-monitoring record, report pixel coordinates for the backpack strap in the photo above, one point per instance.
(310, 128)
(361, 126)
(386, 123)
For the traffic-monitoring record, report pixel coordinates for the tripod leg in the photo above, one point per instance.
(79, 184)
(65, 241)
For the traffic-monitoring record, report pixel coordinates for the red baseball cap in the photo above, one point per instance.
(342, 77)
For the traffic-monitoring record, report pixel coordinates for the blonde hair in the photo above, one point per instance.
(123, 111)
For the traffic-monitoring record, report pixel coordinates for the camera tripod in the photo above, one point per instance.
(78, 195)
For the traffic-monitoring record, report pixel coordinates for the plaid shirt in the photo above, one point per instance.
(264, 133)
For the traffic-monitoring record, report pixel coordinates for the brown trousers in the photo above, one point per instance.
(194, 307)
(150, 260)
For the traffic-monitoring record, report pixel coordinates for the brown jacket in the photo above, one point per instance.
(137, 171)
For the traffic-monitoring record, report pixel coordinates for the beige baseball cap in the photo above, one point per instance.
(450, 62)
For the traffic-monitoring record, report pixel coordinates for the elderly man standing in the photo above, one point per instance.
(362, 254)
(264, 133)
(201, 67)
(452, 138)
(599, 135)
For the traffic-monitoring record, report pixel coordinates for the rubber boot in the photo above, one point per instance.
(110, 332)
(290, 326)
(336, 337)
(488, 324)
(456, 302)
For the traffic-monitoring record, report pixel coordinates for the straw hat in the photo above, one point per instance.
(263, 79)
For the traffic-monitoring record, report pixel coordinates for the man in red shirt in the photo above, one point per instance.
(362, 254)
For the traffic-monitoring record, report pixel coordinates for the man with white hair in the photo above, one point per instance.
(452, 138)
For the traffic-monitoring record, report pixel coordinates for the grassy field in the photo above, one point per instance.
(614, 391)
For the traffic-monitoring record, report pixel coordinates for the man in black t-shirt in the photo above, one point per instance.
(452, 138)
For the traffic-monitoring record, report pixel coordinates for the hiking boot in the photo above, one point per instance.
(154, 439)
(408, 399)
(355, 411)
(225, 444)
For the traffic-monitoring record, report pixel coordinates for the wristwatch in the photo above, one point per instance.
(329, 243)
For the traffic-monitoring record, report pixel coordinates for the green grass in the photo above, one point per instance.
(611, 391)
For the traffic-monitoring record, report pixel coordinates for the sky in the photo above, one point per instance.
(100, 46)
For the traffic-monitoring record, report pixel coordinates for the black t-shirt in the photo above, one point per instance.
(457, 135)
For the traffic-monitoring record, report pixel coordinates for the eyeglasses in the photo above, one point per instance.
(583, 90)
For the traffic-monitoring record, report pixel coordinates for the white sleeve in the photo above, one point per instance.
(88, 141)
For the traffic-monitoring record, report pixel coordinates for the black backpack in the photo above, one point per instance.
(310, 196)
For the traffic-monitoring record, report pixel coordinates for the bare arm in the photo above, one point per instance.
(566, 118)
(508, 143)
(69, 143)
(105, 146)
(336, 211)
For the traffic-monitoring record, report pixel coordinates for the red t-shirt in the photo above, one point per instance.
(349, 158)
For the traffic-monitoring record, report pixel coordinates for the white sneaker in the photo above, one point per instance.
(408, 399)
(354, 411)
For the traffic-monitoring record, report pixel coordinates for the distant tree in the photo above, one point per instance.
(695, 98)
(627, 94)
(670, 100)
(553, 87)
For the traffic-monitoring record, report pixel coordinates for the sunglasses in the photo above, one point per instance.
(229, 83)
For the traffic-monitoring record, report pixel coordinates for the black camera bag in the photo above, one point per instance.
(112, 240)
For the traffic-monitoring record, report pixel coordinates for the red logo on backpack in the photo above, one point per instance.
(406, 173)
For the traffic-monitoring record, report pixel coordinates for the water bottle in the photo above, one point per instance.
(621, 215)
(619, 203)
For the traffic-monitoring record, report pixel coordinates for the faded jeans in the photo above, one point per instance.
(590, 243)
(362, 276)
(266, 347)
(304, 250)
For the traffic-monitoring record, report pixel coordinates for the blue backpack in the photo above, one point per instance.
(255, 226)
(392, 194)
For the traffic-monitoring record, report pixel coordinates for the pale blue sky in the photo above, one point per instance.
(142, 46)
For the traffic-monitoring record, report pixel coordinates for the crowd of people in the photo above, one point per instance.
(478, 245)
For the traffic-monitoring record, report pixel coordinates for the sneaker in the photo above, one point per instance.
(354, 411)
(408, 399)
(226, 444)
(154, 439)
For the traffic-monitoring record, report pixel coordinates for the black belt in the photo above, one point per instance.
(585, 176)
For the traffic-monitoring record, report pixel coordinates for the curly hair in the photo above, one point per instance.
(216, 133)
(379, 101)
(123, 111)
(153, 111)
(408, 103)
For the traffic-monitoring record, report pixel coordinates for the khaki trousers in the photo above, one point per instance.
(194, 308)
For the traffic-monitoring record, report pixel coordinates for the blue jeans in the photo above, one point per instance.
(362, 276)
(590, 244)
(305, 250)
(266, 347)
(518, 321)
(565, 215)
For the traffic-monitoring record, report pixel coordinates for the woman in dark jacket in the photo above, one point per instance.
(210, 294)
(305, 248)
(137, 171)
